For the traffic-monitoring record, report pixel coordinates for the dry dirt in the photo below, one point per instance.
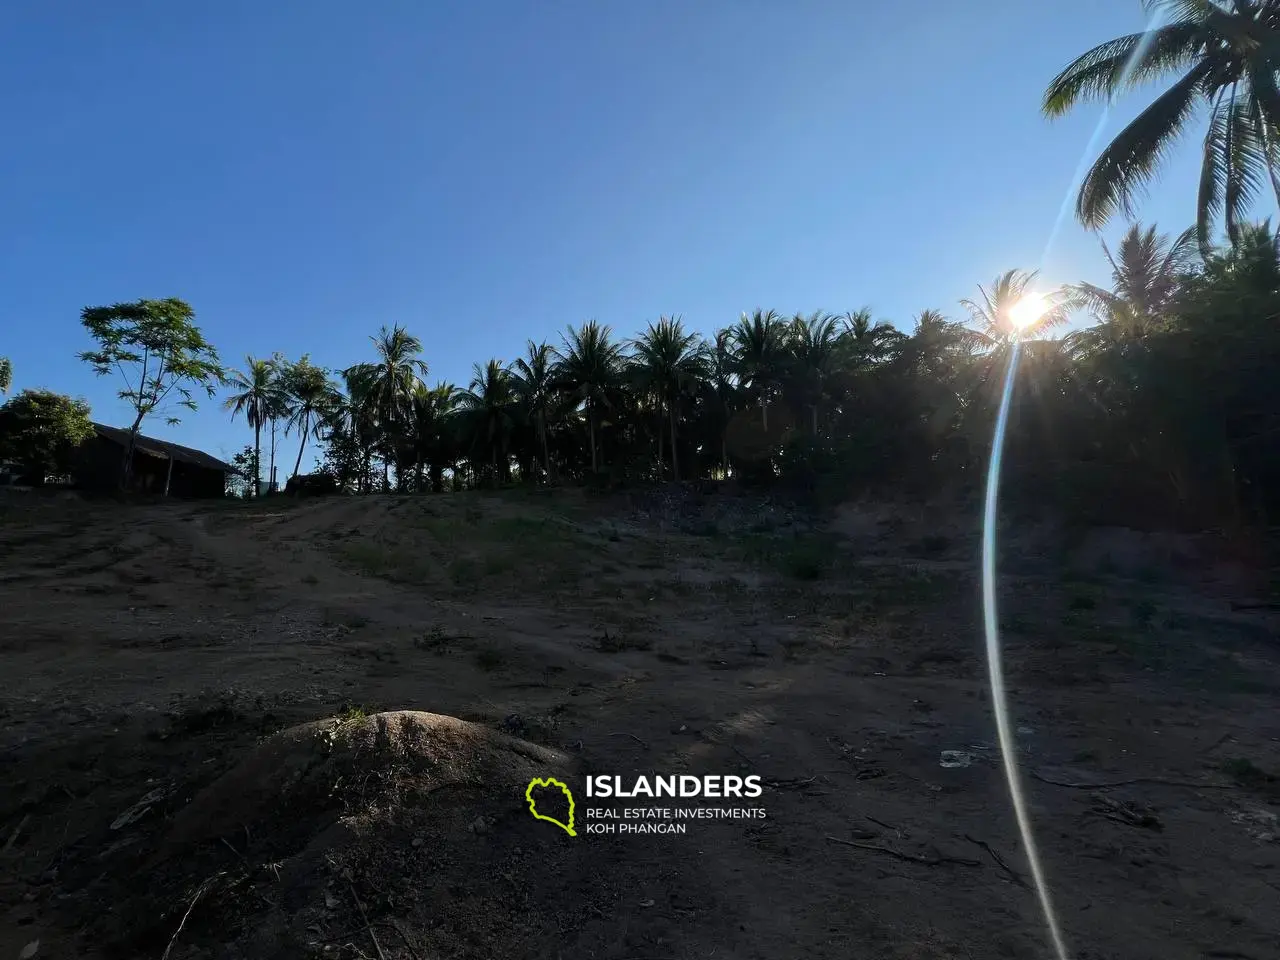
(153, 653)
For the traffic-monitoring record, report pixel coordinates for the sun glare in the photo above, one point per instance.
(1028, 311)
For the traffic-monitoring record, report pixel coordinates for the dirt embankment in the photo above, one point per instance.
(197, 766)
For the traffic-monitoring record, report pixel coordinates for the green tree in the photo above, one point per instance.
(255, 397)
(535, 385)
(813, 343)
(310, 395)
(1222, 53)
(1147, 271)
(993, 313)
(488, 409)
(588, 369)
(434, 438)
(759, 343)
(6, 374)
(389, 383)
(41, 430)
(163, 357)
(671, 362)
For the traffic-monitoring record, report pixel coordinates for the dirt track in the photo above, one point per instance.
(147, 648)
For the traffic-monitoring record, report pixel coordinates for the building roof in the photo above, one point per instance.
(163, 449)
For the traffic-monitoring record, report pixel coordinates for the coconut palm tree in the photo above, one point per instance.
(588, 368)
(993, 313)
(488, 412)
(390, 381)
(870, 340)
(534, 383)
(310, 396)
(814, 346)
(256, 398)
(355, 414)
(434, 410)
(1221, 56)
(669, 361)
(759, 342)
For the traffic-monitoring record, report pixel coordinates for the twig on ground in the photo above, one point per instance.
(365, 917)
(231, 848)
(887, 826)
(190, 906)
(408, 944)
(1217, 743)
(1103, 784)
(927, 861)
(633, 737)
(16, 830)
(1014, 875)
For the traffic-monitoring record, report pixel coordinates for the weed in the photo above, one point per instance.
(352, 713)
(607, 642)
(1246, 773)
(1144, 611)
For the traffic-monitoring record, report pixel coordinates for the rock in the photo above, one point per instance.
(418, 841)
(30, 950)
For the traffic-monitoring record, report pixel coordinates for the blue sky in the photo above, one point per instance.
(304, 172)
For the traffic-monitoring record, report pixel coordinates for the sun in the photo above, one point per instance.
(1028, 310)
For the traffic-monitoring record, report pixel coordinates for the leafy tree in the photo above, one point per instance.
(6, 374)
(41, 430)
(256, 397)
(159, 352)
(1222, 53)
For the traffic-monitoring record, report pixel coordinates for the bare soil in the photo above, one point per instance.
(164, 798)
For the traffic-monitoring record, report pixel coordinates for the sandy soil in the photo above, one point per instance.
(147, 649)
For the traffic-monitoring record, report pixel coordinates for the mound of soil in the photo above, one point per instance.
(400, 835)
(306, 774)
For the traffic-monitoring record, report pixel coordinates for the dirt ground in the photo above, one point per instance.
(149, 649)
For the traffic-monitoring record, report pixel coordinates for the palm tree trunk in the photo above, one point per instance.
(271, 474)
(591, 428)
(546, 453)
(257, 459)
(675, 463)
(660, 463)
(306, 425)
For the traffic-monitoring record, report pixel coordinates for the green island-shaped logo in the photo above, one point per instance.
(533, 804)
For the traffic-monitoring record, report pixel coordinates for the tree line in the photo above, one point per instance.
(1165, 407)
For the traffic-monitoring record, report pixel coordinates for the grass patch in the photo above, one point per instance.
(352, 713)
(1247, 773)
(607, 642)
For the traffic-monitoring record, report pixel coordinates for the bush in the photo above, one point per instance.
(312, 485)
(41, 430)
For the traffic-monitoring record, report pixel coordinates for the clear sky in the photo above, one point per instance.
(486, 172)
